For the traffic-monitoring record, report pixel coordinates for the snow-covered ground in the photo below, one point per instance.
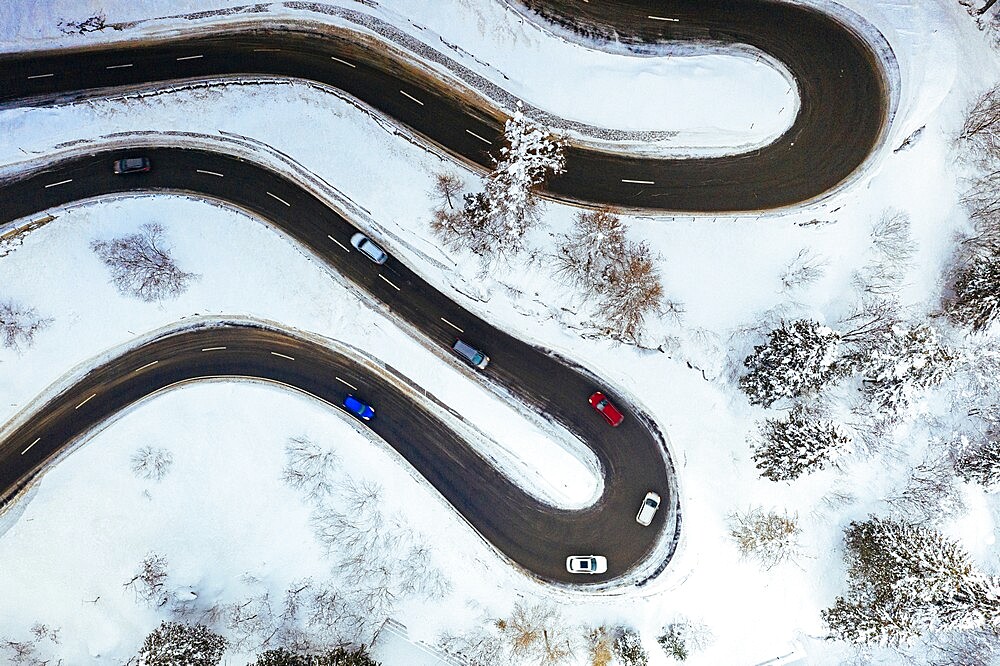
(216, 515)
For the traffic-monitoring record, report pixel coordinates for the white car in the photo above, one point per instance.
(587, 564)
(368, 248)
(648, 509)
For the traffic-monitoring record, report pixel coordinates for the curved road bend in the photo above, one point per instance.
(634, 456)
(843, 94)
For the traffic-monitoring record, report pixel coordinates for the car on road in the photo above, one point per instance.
(362, 410)
(648, 509)
(132, 165)
(366, 247)
(472, 356)
(587, 564)
(610, 413)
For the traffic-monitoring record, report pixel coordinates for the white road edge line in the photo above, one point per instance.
(279, 199)
(61, 182)
(210, 173)
(664, 18)
(212, 349)
(118, 66)
(283, 356)
(85, 401)
(344, 381)
(406, 94)
(41, 76)
(452, 325)
(31, 445)
(638, 182)
(338, 242)
(349, 64)
(479, 137)
(191, 57)
(148, 365)
(389, 283)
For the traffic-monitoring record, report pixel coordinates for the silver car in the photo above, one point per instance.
(366, 247)
(586, 564)
(648, 509)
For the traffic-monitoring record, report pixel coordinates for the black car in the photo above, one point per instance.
(132, 165)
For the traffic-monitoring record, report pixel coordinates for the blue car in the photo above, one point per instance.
(358, 408)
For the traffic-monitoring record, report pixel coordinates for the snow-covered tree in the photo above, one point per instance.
(596, 244)
(768, 537)
(976, 302)
(902, 362)
(798, 359)
(628, 648)
(981, 129)
(905, 579)
(141, 264)
(151, 462)
(798, 444)
(177, 644)
(981, 465)
(19, 325)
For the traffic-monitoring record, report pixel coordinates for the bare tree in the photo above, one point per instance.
(931, 494)
(595, 245)
(805, 269)
(309, 466)
(151, 462)
(633, 292)
(768, 537)
(447, 189)
(892, 249)
(149, 583)
(141, 264)
(19, 325)
(982, 124)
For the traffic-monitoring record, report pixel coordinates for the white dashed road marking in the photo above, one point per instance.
(639, 182)
(85, 401)
(148, 365)
(342, 381)
(338, 242)
(406, 94)
(31, 445)
(389, 283)
(118, 66)
(210, 173)
(479, 137)
(349, 64)
(61, 182)
(452, 325)
(283, 356)
(191, 57)
(663, 18)
(279, 199)
(212, 349)
(41, 76)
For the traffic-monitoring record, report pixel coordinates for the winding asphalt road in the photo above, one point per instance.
(843, 93)
(633, 457)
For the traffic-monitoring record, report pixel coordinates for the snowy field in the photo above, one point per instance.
(231, 530)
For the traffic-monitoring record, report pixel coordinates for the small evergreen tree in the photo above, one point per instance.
(798, 359)
(976, 303)
(682, 637)
(628, 648)
(176, 644)
(981, 465)
(903, 362)
(904, 579)
(797, 445)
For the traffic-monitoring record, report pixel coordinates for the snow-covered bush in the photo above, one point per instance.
(532, 633)
(34, 651)
(902, 362)
(141, 264)
(151, 462)
(682, 637)
(976, 301)
(628, 648)
(905, 579)
(177, 644)
(768, 537)
(599, 642)
(19, 325)
(796, 445)
(149, 583)
(981, 465)
(340, 656)
(798, 359)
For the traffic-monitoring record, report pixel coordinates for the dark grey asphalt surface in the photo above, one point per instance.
(842, 87)
(633, 456)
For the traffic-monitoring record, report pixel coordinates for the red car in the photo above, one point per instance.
(607, 410)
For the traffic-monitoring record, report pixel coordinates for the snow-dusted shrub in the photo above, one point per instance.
(628, 648)
(340, 656)
(981, 465)
(903, 362)
(141, 264)
(931, 494)
(19, 325)
(798, 359)
(599, 642)
(176, 644)
(796, 445)
(149, 583)
(768, 537)
(682, 637)
(976, 301)
(537, 633)
(151, 462)
(33, 651)
(905, 579)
